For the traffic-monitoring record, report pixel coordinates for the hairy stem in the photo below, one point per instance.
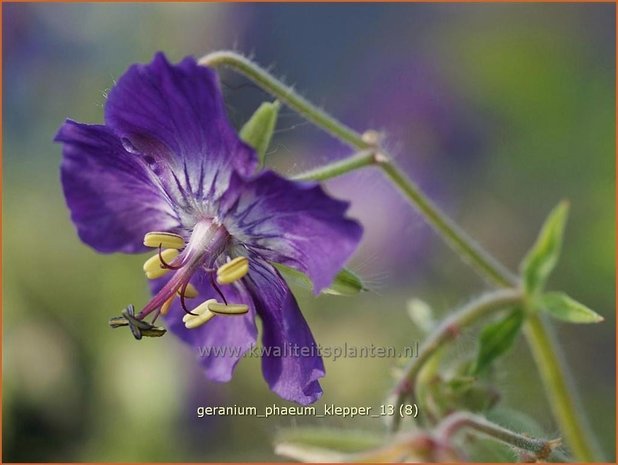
(353, 162)
(565, 408)
(545, 349)
(464, 245)
(448, 330)
(456, 422)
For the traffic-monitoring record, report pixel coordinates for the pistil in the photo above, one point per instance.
(182, 259)
(188, 292)
(208, 240)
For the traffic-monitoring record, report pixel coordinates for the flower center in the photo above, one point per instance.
(207, 243)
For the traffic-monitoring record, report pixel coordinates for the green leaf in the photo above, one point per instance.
(497, 338)
(346, 282)
(540, 261)
(562, 307)
(258, 131)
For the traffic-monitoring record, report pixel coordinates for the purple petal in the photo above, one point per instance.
(110, 192)
(220, 343)
(176, 112)
(291, 363)
(293, 223)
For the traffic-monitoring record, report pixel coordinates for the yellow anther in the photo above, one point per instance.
(233, 309)
(167, 304)
(190, 291)
(203, 315)
(157, 274)
(199, 321)
(233, 270)
(154, 263)
(164, 239)
(201, 308)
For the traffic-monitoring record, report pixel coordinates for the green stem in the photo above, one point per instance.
(545, 349)
(353, 162)
(448, 330)
(456, 422)
(457, 238)
(565, 404)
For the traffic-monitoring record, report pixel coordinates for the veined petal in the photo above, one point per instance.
(220, 343)
(293, 223)
(291, 363)
(176, 113)
(113, 197)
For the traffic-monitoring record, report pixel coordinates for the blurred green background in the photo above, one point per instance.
(498, 111)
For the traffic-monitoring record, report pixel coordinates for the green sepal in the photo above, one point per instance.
(346, 283)
(562, 307)
(496, 339)
(540, 261)
(258, 131)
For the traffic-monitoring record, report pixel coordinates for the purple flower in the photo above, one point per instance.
(167, 170)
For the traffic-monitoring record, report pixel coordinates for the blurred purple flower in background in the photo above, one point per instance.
(168, 169)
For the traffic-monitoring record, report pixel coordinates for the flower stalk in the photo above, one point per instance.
(565, 406)
(353, 162)
(469, 250)
(544, 348)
